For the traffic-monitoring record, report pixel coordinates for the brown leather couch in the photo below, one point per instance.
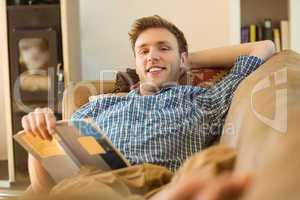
(262, 124)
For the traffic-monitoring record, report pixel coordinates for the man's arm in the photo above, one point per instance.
(41, 181)
(39, 123)
(225, 56)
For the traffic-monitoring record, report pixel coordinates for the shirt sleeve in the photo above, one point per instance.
(220, 95)
(85, 111)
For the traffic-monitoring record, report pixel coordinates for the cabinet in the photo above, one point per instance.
(69, 49)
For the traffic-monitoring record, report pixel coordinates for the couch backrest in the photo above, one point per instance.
(76, 95)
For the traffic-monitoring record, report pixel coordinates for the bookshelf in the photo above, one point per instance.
(256, 11)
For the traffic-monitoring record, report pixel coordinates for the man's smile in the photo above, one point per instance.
(154, 70)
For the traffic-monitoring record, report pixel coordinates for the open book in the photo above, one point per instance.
(72, 147)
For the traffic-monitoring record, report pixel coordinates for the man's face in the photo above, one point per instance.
(158, 62)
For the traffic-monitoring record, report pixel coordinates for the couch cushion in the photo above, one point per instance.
(126, 80)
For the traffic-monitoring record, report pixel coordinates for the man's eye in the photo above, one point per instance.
(144, 51)
(164, 48)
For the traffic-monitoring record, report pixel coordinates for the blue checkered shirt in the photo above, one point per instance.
(169, 126)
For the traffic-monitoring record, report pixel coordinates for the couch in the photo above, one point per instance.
(265, 114)
(262, 125)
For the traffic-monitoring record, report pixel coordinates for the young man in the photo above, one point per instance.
(161, 122)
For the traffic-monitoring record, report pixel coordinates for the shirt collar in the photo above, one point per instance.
(136, 91)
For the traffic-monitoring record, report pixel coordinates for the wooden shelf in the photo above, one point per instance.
(243, 12)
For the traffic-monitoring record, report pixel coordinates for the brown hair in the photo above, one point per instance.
(156, 21)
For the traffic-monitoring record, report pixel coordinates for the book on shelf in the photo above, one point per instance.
(75, 144)
(252, 33)
(259, 32)
(276, 35)
(285, 34)
(245, 34)
(266, 31)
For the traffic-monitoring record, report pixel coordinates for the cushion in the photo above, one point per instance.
(125, 80)
(206, 77)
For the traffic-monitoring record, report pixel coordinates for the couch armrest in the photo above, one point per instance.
(77, 94)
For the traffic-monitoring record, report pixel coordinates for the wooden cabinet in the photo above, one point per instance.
(70, 51)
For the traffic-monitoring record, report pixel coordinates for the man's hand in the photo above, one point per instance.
(40, 123)
(224, 187)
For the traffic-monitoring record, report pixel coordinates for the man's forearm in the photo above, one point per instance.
(40, 180)
(225, 56)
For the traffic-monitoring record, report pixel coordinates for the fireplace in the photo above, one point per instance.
(35, 64)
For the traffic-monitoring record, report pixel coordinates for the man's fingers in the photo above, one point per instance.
(225, 188)
(26, 125)
(41, 124)
(47, 110)
(33, 125)
(188, 189)
(50, 120)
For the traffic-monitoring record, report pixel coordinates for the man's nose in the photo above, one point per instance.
(153, 55)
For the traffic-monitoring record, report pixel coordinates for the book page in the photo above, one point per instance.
(43, 148)
(91, 145)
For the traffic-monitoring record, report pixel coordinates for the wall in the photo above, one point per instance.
(295, 20)
(3, 54)
(105, 24)
(3, 139)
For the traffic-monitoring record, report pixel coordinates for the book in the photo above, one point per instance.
(75, 144)
(245, 34)
(252, 33)
(259, 32)
(268, 33)
(285, 34)
(276, 34)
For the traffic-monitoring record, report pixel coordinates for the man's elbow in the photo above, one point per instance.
(269, 47)
(266, 49)
(262, 49)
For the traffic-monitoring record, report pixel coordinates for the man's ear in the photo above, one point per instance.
(184, 68)
(184, 60)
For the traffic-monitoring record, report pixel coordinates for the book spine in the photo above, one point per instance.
(285, 34)
(259, 32)
(245, 34)
(276, 34)
(268, 33)
(252, 33)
